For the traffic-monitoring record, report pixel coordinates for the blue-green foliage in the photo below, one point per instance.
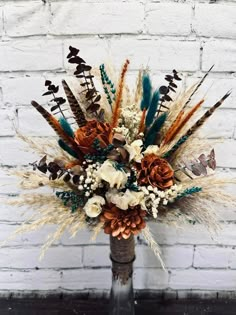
(155, 128)
(189, 191)
(175, 147)
(147, 92)
(66, 127)
(108, 85)
(71, 198)
(100, 153)
(152, 108)
(66, 148)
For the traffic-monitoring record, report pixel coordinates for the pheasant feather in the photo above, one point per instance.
(74, 105)
(198, 86)
(198, 124)
(57, 128)
(201, 121)
(172, 128)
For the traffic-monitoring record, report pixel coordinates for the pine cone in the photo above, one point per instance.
(122, 223)
(155, 171)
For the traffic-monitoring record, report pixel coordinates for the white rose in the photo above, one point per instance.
(109, 174)
(125, 200)
(93, 206)
(151, 149)
(134, 150)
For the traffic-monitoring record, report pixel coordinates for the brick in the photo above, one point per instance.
(226, 153)
(215, 20)
(155, 279)
(221, 54)
(99, 18)
(38, 237)
(8, 183)
(203, 279)
(96, 256)
(213, 89)
(192, 234)
(213, 257)
(12, 213)
(216, 127)
(84, 237)
(168, 18)
(31, 123)
(30, 280)
(1, 21)
(8, 119)
(22, 19)
(173, 257)
(16, 153)
(157, 54)
(28, 258)
(82, 279)
(33, 85)
(30, 55)
(94, 51)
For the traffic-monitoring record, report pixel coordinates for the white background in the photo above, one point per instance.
(188, 36)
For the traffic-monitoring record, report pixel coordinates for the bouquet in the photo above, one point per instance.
(122, 158)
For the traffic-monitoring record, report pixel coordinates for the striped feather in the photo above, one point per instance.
(57, 128)
(198, 124)
(201, 121)
(74, 105)
(66, 148)
(198, 86)
(183, 121)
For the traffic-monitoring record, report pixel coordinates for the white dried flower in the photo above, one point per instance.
(111, 175)
(125, 200)
(134, 150)
(93, 206)
(151, 149)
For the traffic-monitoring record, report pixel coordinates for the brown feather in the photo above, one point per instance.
(74, 105)
(185, 120)
(117, 107)
(208, 113)
(57, 128)
(172, 128)
(142, 126)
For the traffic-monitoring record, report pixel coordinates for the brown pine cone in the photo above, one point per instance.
(155, 171)
(122, 223)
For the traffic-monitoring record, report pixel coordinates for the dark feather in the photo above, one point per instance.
(68, 149)
(74, 105)
(198, 86)
(155, 128)
(57, 128)
(152, 108)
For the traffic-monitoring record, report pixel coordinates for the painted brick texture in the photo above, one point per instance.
(189, 36)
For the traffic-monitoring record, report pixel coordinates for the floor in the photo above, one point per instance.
(99, 307)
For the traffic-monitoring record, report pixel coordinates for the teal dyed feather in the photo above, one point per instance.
(155, 128)
(147, 92)
(66, 148)
(66, 127)
(152, 108)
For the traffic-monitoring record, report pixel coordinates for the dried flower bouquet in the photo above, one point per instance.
(122, 159)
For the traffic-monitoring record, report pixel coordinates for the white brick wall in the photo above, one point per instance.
(187, 35)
